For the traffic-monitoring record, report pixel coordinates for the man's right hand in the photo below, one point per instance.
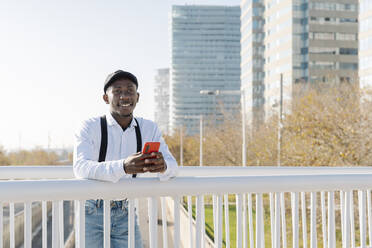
(136, 163)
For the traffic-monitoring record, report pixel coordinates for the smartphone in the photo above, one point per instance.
(150, 147)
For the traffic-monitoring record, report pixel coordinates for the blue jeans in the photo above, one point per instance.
(119, 225)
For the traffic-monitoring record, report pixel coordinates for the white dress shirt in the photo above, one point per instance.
(120, 145)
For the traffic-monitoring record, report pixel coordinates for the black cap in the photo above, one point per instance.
(119, 74)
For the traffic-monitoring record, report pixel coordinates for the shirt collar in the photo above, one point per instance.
(112, 122)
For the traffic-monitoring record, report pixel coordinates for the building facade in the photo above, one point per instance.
(252, 56)
(161, 93)
(305, 41)
(205, 43)
(365, 43)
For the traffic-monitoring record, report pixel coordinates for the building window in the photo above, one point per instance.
(323, 65)
(343, 36)
(323, 50)
(322, 36)
(348, 51)
(348, 66)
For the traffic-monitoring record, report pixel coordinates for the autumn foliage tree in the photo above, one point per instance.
(36, 156)
(327, 125)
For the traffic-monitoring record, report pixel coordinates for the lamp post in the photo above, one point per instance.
(280, 119)
(242, 99)
(200, 117)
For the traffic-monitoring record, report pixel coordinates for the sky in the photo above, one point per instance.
(55, 56)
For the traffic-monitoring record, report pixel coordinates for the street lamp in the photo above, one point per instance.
(280, 119)
(242, 99)
(201, 138)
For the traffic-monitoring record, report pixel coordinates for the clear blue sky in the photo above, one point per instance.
(55, 55)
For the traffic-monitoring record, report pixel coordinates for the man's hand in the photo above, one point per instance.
(141, 163)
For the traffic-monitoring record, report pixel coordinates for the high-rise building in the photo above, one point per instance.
(365, 43)
(305, 41)
(205, 43)
(252, 56)
(162, 99)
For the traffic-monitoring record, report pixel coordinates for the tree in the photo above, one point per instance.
(4, 160)
(329, 124)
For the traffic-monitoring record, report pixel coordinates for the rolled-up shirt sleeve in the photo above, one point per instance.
(85, 161)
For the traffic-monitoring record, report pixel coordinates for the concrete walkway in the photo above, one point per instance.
(144, 225)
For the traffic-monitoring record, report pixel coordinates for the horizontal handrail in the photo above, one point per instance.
(57, 172)
(78, 189)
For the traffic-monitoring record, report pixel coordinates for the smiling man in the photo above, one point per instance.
(108, 148)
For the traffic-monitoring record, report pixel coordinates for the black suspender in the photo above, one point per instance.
(103, 147)
(138, 136)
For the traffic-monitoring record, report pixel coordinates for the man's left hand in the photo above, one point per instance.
(156, 163)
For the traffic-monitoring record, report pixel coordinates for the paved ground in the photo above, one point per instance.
(144, 225)
(18, 208)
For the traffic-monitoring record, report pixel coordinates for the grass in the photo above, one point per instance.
(232, 224)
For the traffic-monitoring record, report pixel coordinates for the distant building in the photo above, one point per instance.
(162, 99)
(365, 43)
(205, 43)
(306, 41)
(253, 59)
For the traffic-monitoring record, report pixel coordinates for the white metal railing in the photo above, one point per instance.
(65, 172)
(265, 196)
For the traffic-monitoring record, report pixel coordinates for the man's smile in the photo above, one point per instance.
(125, 104)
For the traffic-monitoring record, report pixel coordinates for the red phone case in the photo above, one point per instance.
(150, 147)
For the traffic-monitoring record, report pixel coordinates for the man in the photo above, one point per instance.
(115, 154)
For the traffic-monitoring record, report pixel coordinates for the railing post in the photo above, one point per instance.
(342, 209)
(227, 221)
(214, 202)
(295, 218)
(362, 217)
(164, 222)
(346, 217)
(44, 220)
(313, 234)
(27, 225)
(352, 221)
(250, 220)
(61, 226)
(331, 221)
(1, 224)
(324, 218)
(153, 221)
(244, 223)
(272, 219)
(284, 226)
(176, 201)
(106, 224)
(238, 220)
(303, 212)
(80, 223)
(260, 234)
(191, 225)
(55, 225)
(199, 216)
(277, 220)
(131, 220)
(203, 222)
(218, 238)
(369, 217)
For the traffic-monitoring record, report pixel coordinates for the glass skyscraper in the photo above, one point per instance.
(161, 90)
(205, 43)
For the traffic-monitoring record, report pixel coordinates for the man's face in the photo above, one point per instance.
(122, 96)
